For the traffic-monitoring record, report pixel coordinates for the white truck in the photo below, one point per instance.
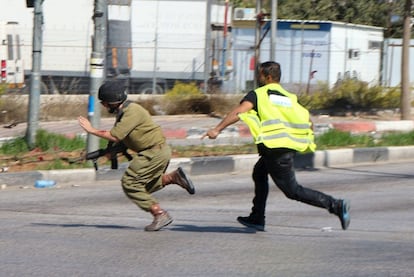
(150, 42)
(11, 63)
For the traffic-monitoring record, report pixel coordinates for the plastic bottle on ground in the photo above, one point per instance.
(44, 183)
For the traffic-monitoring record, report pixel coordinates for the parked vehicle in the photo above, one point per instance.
(152, 43)
(11, 63)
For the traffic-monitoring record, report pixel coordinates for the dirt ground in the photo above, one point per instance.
(38, 160)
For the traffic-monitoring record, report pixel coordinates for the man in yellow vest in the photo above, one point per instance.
(280, 127)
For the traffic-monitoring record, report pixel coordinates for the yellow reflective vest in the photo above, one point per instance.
(281, 122)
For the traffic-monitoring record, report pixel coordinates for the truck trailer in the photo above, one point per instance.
(150, 43)
(11, 63)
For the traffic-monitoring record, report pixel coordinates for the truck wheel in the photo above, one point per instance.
(147, 89)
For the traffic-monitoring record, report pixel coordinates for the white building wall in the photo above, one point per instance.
(321, 46)
(355, 53)
(392, 62)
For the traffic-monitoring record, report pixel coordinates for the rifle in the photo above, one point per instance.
(113, 149)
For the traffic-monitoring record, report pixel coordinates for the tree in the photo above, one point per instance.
(381, 13)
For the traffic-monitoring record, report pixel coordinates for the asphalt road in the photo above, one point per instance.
(93, 230)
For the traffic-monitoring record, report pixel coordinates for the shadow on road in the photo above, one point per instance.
(375, 173)
(212, 229)
(84, 225)
(180, 228)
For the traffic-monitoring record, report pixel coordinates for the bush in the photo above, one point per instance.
(149, 104)
(391, 98)
(181, 89)
(352, 95)
(317, 100)
(397, 139)
(3, 88)
(221, 105)
(14, 147)
(185, 98)
(46, 141)
(335, 138)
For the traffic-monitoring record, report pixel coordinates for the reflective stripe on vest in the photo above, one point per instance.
(287, 124)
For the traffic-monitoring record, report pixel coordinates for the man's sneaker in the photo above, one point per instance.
(343, 213)
(249, 222)
(160, 221)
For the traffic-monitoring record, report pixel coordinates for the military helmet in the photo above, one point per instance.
(113, 92)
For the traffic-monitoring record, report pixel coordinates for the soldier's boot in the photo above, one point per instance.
(161, 218)
(179, 177)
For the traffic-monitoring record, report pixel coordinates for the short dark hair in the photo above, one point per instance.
(270, 69)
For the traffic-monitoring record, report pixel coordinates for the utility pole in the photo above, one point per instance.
(207, 46)
(97, 69)
(405, 64)
(35, 79)
(257, 40)
(155, 66)
(273, 31)
(224, 53)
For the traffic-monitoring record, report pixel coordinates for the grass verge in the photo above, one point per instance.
(54, 151)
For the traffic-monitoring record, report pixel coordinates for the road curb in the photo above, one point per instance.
(221, 165)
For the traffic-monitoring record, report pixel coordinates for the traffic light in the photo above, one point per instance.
(30, 3)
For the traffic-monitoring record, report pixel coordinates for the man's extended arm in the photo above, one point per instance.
(230, 119)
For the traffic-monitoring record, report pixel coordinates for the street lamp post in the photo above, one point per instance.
(97, 69)
(273, 31)
(35, 79)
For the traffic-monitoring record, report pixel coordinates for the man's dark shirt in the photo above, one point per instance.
(252, 97)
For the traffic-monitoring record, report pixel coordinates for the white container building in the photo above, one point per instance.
(309, 52)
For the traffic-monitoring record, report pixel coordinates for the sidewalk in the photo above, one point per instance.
(187, 130)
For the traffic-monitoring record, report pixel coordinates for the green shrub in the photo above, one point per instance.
(185, 98)
(148, 104)
(58, 164)
(221, 105)
(3, 88)
(318, 99)
(351, 95)
(397, 139)
(390, 98)
(181, 89)
(49, 141)
(359, 95)
(335, 138)
(14, 146)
